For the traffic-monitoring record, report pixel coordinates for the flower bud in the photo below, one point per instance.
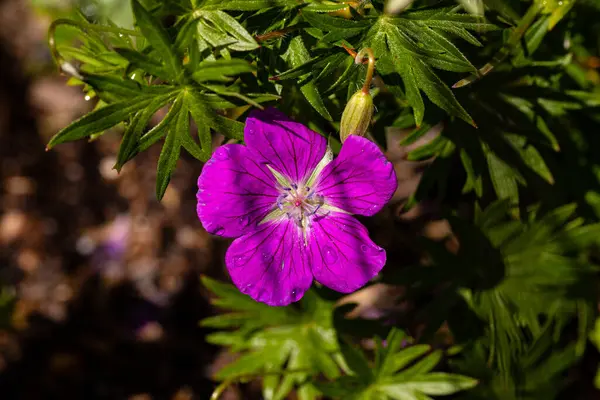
(357, 115)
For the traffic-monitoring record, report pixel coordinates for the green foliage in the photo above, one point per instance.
(519, 283)
(513, 88)
(286, 345)
(398, 373)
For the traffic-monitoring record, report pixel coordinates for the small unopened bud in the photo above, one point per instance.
(357, 115)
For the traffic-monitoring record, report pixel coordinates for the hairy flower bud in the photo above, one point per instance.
(357, 115)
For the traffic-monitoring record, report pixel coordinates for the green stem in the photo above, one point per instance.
(507, 48)
(370, 68)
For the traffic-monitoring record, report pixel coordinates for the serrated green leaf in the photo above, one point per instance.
(211, 35)
(156, 133)
(421, 367)
(339, 28)
(169, 154)
(298, 55)
(221, 70)
(441, 52)
(247, 364)
(397, 361)
(158, 38)
(232, 28)
(438, 92)
(135, 129)
(205, 115)
(143, 62)
(413, 94)
(100, 120)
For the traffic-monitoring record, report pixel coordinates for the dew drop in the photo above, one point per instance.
(244, 220)
(267, 257)
(238, 261)
(222, 154)
(330, 255)
(364, 248)
(218, 230)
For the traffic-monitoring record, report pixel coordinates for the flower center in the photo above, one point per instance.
(299, 203)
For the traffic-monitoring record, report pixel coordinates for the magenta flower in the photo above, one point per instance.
(289, 205)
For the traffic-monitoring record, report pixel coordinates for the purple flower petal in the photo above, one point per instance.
(289, 147)
(270, 264)
(343, 257)
(235, 191)
(360, 180)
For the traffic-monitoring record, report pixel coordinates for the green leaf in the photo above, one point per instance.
(435, 383)
(400, 360)
(158, 38)
(399, 51)
(325, 8)
(170, 152)
(119, 87)
(243, 41)
(438, 92)
(298, 71)
(135, 129)
(156, 133)
(430, 149)
(421, 367)
(341, 27)
(203, 114)
(100, 120)
(503, 177)
(246, 5)
(275, 341)
(143, 62)
(358, 363)
(298, 55)
(221, 70)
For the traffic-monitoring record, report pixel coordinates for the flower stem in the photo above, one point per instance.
(370, 68)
